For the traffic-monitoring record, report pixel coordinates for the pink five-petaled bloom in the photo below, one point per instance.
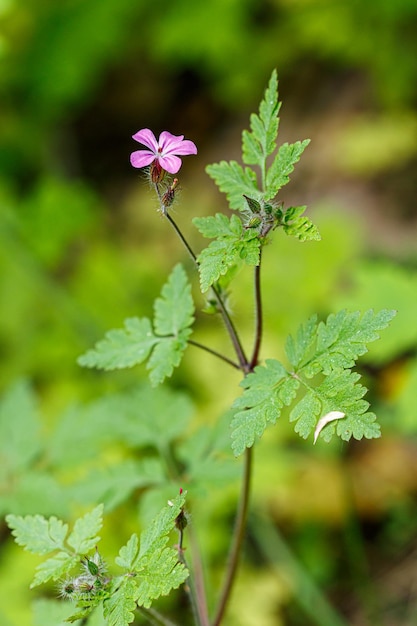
(166, 151)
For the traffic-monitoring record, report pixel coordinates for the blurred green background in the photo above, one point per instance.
(82, 247)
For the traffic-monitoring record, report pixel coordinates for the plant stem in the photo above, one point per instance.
(189, 586)
(214, 353)
(258, 313)
(240, 353)
(238, 536)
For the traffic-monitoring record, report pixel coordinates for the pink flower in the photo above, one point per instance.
(164, 152)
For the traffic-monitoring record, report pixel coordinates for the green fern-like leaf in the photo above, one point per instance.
(154, 564)
(235, 182)
(339, 391)
(118, 608)
(174, 310)
(278, 174)
(232, 246)
(299, 226)
(174, 315)
(122, 348)
(54, 568)
(84, 535)
(261, 142)
(267, 390)
(37, 534)
(330, 349)
(343, 338)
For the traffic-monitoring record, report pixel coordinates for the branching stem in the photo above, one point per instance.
(240, 353)
(214, 353)
(258, 313)
(238, 536)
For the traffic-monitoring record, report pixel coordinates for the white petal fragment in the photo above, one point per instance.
(329, 417)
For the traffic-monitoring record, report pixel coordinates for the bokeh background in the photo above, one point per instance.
(333, 537)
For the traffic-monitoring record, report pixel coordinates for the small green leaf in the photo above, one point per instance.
(278, 174)
(233, 245)
(119, 608)
(174, 314)
(163, 573)
(156, 535)
(166, 355)
(306, 413)
(342, 339)
(174, 309)
(299, 349)
(54, 568)
(235, 182)
(128, 553)
(303, 229)
(260, 143)
(83, 537)
(267, 390)
(37, 534)
(122, 347)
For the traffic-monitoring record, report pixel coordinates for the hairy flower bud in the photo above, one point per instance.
(169, 196)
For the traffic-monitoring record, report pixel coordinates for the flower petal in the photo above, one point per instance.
(142, 158)
(186, 147)
(176, 144)
(147, 138)
(168, 142)
(170, 163)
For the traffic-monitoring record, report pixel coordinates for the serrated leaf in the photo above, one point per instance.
(267, 390)
(166, 355)
(278, 174)
(122, 347)
(298, 349)
(83, 537)
(218, 225)
(342, 339)
(303, 229)
(118, 608)
(156, 567)
(235, 182)
(174, 314)
(163, 573)
(37, 534)
(260, 143)
(305, 413)
(156, 535)
(359, 426)
(128, 553)
(54, 568)
(233, 245)
(338, 392)
(174, 309)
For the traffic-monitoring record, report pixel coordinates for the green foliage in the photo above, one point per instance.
(267, 390)
(233, 244)
(235, 182)
(261, 142)
(297, 225)
(330, 349)
(43, 536)
(173, 316)
(151, 567)
(278, 174)
(237, 239)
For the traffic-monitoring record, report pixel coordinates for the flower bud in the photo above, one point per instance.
(169, 196)
(156, 172)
